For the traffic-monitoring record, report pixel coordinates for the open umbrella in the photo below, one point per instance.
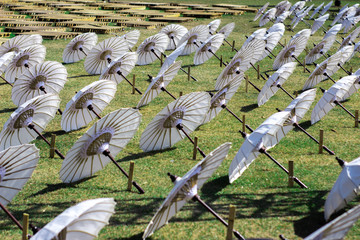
(316, 10)
(355, 80)
(339, 16)
(131, 38)
(338, 228)
(281, 7)
(29, 120)
(297, 6)
(272, 38)
(267, 17)
(174, 32)
(79, 47)
(178, 119)
(42, 78)
(186, 188)
(17, 164)
(266, 136)
(326, 8)
(5, 60)
(82, 221)
(275, 82)
(213, 26)
(350, 39)
(349, 23)
(258, 34)
(320, 49)
(196, 35)
(19, 43)
(24, 59)
(330, 99)
(103, 53)
(261, 11)
(152, 48)
(345, 189)
(159, 83)
(87, 104)
(105, 139)
(332, 32)
(208, 49)
(227, 30)
(293, 49)
(120, 67)
(318, 23)
(281, 18)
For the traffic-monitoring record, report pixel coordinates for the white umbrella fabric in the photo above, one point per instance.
(151, 48)
(316, 10)
(269, 15)
(320, 49)
(350, 39)
(19, 43)
(5, 60)
(326, 8)
(261, 11)
(194, 37)
(318, 23)
(131, 38)
(79, 47)
(227, 29)
(208, 48)
(174, 32)
(213, 26)
(272, 38)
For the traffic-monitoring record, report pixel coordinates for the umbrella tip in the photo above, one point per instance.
(243, 134)
(278, 109)
(282, 237)
(322, 90)
(340, 161)
(34, 229)
(172, 177)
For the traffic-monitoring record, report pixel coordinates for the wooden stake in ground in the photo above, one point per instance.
(25, 232)
(133, 84)
(52, 145)
(195, 148)
(321, 141)
(131, 175)
(291, 173)
(231, 221)
(356, 118)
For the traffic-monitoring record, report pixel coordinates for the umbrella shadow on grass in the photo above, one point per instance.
(57, 133)
(84, 75)
(249, 108)
(5, 110)
(135, 156)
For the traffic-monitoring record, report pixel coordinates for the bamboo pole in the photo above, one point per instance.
(25, 225)
(133, 84)
(321, 141)
(356, 118)
(231, 221)
(291, 173)
(52, 146)
(195, 148)
(131, 175)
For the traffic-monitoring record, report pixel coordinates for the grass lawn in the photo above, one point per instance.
(265, 205)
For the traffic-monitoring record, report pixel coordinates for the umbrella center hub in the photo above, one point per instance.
(99, 142)
(148, 47)
(220, 98)
(22, 60)
(192, 39)
(234, 68)
(158, 84)
(321, 69)
(2, 173)
(289, 52)
(14, 49)
(85, 100)
(174, 118)
(206, 47)
(37, 82)
(23, 118)
(105, 55)
(77, 45)
(318, 48)
(115, 68)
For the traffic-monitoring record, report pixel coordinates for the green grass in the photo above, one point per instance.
(265, 206)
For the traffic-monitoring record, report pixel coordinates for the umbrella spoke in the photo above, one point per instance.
(91, 108)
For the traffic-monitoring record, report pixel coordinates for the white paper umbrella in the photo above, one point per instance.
(332, 31)
(79, 47)
(208, 48)
(350, 39)
(194, 36)
(171, 58)
(316, 10)
(187, 112)
(24, 59)
(281, 18)
(19, 43)
(42, 78)
(320, 49)
(103, 53)
(227, 29)
(338, 17)
(174, 32)
(108, 135)
(17, 164)
(277, 27)
(338, 228)
(159, 83)
(186, 188)
(269, 15)
(281, 7)
(152, 48)
(35, 113)
(349, 23)
(326, 8)
(131, 38)
(278, 78)
(267, 135)
(5, 60)
(258, 34)
(220, 99)
(301, 104)
(318, 23)
(82, 221)
(261, 11)
(329, 100)
(355, 85)
(345, 189)
(293, 49)
(213, 26)
(120, 67)
(297, 6)
(87, 104)
(298, 19)
(272, 38)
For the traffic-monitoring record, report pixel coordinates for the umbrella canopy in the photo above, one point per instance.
(261, 11)
(194, 36)
(120, 67)
(187, 187)
(332, 31)
(240, 63)
(338, 228)
(355, 85)
(349, 23)
(326, 102)
(162, 132)
(298, 18)
(159, 82)
(112, 133)
(227, 29)
(258, 34)
(19, 43)
(320, 49)
(37, 111)
(272, 38)
(78, 114)
(174, 32)
(297, 6)
(267, 135)
(301, 104)
(345, 189)
(293, 49)
(269, 15)
(208, 48)
(152, 48)
(213, 26)
(42, 78)
(24, 59)
(318, 23)
(281, 18)
(103, 53)
(131, 38)
(339, 16)
(282, 7)
(350, 39)
(82, 221)
(316, 10)
(326, 8)
(222, 97)
(279, 77)
(5, 60)
(79, 47)
(17, 164)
